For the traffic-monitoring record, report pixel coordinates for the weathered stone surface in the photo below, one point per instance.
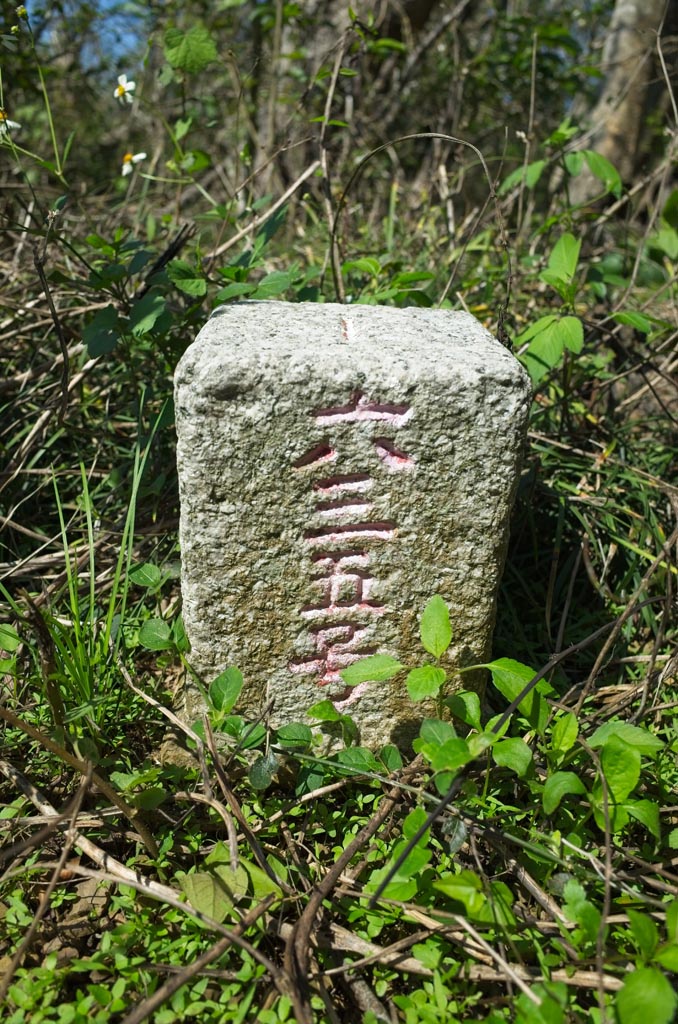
(338, 466)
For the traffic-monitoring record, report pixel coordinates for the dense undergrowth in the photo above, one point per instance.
(260, 882)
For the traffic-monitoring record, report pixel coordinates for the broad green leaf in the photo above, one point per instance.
(465, 705)
(621, 767)
(638, 321)
(389, 755)
(564, 256)
(262, 884)
(604, 171)
(155, 635)
(324, 711)
(672, 921)
(647, 813)
(644, 931)
(510, 678)
(189, 50)
(9, 638)
(432, 730)
(358, 759)
(186, 278)
(425, 682)
(466, 888)
(102, 333)
(294, 736)
(435, 628)
(667, 956)
(414, 820)
(207, 894)
(564, 732)
(449, 756)
(544, 352)
(634, 735)
(262, 770)
(399, 888)
(225, 689)
(273, 284)
(647, 995)
(580, 910)
(366, 265)
(376, 668)
(146, 312)
(235, 291)
(532, 330)
(557, 786)
(513, 753)
(149, 798)
(530, 175)
(574, 163)
(571, 330)
(146, 575)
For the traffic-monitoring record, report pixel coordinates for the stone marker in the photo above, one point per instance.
(338, 466)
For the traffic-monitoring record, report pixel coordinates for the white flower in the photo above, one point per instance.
(6, 124)
(124, 89)
(129, 160)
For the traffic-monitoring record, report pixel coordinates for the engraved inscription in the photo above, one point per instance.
(342, 620)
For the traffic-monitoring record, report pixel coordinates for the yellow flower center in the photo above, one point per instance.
(3, 115)
(128, 157)
(120, 90)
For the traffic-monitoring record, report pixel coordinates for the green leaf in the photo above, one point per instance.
(646, 995)
(564, 256)
(146, 575)
(644, 931)
(638, 321)
(571, 330)
(514, 754)
(574, 163)
(365, 265)
(647, 813)
(225, 689)
(102, 333)
(145, 313)
(557, 786)
(564, 732)
(190, 51)
(273, 284)
(294, 736)
(324, 711)
(510, 678)
(667, 956)
(425, 682)
(186, 278)
(604, 171)
(435, 628)
(433, 731)
(262, 770)
(9, 638)
(672, 921)
(621, 767)
(635, 736)
(449, 756)
(465, 705)
(376, 668)
(530, 174)
(544, 352)
(389, 755)
(155, 635)
(465, 888)
(359, 759)
(207, 894)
